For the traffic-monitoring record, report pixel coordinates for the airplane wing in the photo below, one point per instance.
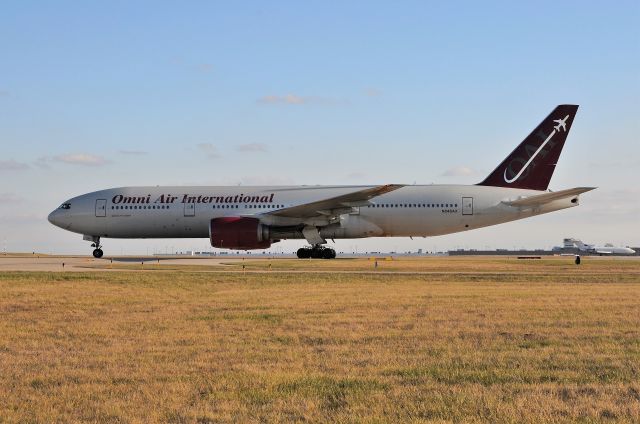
(541, 199)
(335, 205)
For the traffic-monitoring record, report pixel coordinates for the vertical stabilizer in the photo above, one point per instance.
(531, 164)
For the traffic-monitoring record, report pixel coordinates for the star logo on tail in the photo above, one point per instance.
(562, 123)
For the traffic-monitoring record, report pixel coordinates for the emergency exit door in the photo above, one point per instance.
(467, 206)
(101, 207)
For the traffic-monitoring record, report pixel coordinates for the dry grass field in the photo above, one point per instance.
(442, 340)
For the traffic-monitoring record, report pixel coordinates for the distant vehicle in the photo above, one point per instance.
(607, 249)
(244, 218)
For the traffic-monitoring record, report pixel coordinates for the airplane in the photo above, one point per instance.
(607, 249)
(562, 123)
(245, 218)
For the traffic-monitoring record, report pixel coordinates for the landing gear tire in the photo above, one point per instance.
(97, 253)
(304, 253)
(316, 252)
(328, 253)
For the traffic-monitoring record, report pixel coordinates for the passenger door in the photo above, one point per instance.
(467, 206)
(101, 208)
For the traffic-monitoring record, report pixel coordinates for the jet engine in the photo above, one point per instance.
(239, 233)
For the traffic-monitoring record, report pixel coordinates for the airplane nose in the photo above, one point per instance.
(52, 218)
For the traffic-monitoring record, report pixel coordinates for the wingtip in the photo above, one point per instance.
(393, 186)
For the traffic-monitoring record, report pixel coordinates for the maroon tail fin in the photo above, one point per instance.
(532, 163)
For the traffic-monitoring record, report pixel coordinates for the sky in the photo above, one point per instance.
(96, 95)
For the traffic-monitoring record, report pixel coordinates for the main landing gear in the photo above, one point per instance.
(97, 252)
(316, 252)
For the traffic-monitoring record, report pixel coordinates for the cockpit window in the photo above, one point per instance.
(65, 206)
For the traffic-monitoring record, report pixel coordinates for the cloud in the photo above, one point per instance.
(459, 171)
(12, 165)
(204, 67)
(83, 159)
(372, 92)
(10, 198)
(132, 152)
(43, 162)
(253, 147)
(209, 149)
(288, 99)
(4, 93)
(293, 99)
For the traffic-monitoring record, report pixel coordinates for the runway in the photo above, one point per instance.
(83, 263)
(476, 265)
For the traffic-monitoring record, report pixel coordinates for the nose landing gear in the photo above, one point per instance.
(97, 252)
(316, 252)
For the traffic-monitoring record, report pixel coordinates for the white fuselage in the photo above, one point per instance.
(612, 250)
(186, 212)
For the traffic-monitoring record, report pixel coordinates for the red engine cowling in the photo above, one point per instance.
(240, 233)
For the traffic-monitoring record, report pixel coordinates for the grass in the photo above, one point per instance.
(516, 342)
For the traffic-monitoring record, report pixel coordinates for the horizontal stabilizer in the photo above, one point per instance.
(541, 199)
